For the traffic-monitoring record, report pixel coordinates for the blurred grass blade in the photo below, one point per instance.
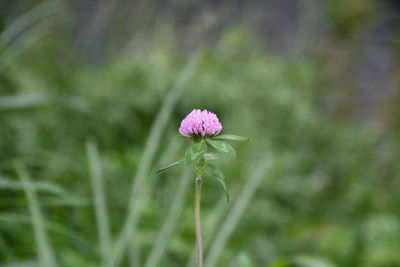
(52, 227)
(67, 201)
(28, 40)
(237, 210)
(7, 183)
(168, 153)
(307, 261)
(25, 21)
(170, 223)
(97, 184)
(244, 260)
(32, 100)
(25, 31)
(24, 263)
(134, 253)
(46, 255)
(24, 101)
(136, 198)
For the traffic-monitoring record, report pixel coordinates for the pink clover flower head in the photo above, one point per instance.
(200, 122)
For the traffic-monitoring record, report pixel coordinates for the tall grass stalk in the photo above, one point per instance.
(170, 222)
(136, 199)
(45, 252)
(237, 210)
(169, 151)
(134, 253)
(97, 184)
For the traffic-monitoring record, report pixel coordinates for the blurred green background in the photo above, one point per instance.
(91, 97)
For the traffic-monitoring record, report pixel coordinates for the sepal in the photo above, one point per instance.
(195, 152)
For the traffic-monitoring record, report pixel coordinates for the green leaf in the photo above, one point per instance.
(222, 146)
(170, 165)
(210, 156)
(195, 152)
(231, 137)
(219, 175)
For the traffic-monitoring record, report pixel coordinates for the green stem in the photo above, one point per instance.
(197, 201)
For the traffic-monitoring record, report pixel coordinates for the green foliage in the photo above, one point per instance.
(197, 154)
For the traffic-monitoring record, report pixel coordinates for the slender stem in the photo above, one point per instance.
(199, 243)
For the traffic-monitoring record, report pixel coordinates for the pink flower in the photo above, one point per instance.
(204, 123)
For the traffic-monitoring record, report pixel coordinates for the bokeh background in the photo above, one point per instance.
(92, 93)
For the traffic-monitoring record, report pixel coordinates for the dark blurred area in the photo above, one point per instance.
(360, 35)
(95, 91)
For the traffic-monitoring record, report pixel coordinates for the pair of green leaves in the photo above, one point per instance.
(198, 150)
(197, 153)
